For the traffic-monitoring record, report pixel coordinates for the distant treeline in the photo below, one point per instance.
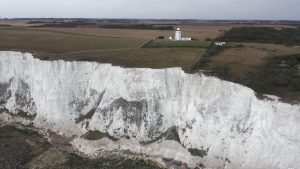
(288, 36)
(62, 24)
(137, 26)
(36, 22)
(109, 26)
(5, 25)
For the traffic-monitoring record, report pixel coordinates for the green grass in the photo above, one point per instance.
(145, 57)
(256, 66)
(165, 57)
(161, 43)
(272, 79)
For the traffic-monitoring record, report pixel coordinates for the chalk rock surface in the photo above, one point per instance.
(163, 113)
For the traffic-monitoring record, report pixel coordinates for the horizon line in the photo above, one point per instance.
(173, 19)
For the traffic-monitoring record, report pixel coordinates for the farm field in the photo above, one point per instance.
(198, 32)
(59, 43)
(123, 51)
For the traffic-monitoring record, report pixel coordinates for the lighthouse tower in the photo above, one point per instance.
(178, 34)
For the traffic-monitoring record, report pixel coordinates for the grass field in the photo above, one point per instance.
(144, 57)
(241, 61)
(255, 65)
(161, 43)
(116, 50)
(238, 62)
(145, 35)
(274, 49)
(59, 43)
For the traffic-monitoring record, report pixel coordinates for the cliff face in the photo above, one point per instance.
(160, 113)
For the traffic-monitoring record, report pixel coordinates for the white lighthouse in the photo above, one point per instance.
(178, 34)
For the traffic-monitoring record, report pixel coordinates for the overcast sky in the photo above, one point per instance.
(152, 9)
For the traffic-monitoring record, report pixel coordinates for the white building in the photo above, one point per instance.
(178, 36)
(186, 38)
(220, 43)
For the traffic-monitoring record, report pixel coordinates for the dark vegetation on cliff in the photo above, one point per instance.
(97, 135)
(26, 149)
(264, 59)
(198, 152)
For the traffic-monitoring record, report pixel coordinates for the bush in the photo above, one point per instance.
(213, 50)
(201, 63)
(97, 135)
(160, 37)
(197, 152)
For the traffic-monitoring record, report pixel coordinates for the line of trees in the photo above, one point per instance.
(138, 26)
(288, 36)
(64, 24)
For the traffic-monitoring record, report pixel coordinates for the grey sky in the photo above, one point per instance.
(169, 9)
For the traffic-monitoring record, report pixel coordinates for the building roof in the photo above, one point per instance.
(283, 64)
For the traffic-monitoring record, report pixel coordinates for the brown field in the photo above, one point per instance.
(60, 43)
(274, 49)
(14, 23)
(200, 32)
(123, 51)
(125, 33)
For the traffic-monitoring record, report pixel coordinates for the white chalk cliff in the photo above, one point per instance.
(222, 120)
